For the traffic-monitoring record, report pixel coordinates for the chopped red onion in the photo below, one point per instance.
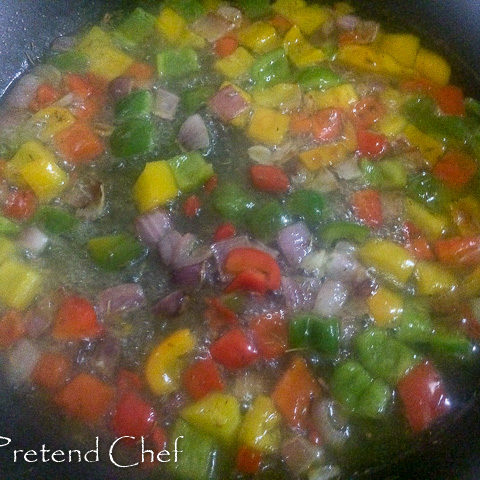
(193, 134)
(171, 305)
(344, 265)
(23, 92)
(227, 103)
(295, 242)
(63, 44)
(328, 420)
(48, 74)
(189, 277)
(104, 358)
(21, 361)
(331, 298)
(166, 104)
(348, 169)
(167, 246)
(348, 22)
(152, 226)
(211, 27)
(128, 296)
(299, 454)
(178, 251)
(300, 294)
(231, 14)
(120, 87)
(33, 240)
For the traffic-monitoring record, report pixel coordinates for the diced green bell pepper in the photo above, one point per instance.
(136, 27)
(232, 202)
(383, 356)
(358, 392)
(472, 107)
(234, 301)
(133, 137)
(193, 100)
(266, 220)
(430, 192)
(137, 104)
(71, 61)
(177, 63)
(7, 227)
(56, 220)
(114, 252)
(200, 456)
(254, 8)
(190, 170)
(270, 69)
(190, 10)
(344, 231)
(387, 174)
(318, 78)
(421, 112)
(315, 333)
(308, 205)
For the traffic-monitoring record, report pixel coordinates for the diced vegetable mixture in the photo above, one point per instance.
(254, 225)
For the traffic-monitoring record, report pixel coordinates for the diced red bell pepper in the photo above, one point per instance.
(46, 95)
(224, 231)
(268, 178)
(450, 99)
(294, 392)
(253, 260)
(327, 124)
(86, 398)
(270, 333)
(219, 316)
(418, 85)
(78, 85)
(191, 206)
(133, 416)
(423, 396)
(211, 184)
(455, 169)
(468, 323)
(248, 460)
(458, 251)
(128, 380)
(300, 124)
(249, 281)
(20, 205)
(367, 207)
(371, 144)
(417, 243)
(76, 320)
(367, 111)
(201, 378)
(234, 350)
(51, 371)
(12, 328)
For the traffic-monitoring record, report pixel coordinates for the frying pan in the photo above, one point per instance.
(449, 452)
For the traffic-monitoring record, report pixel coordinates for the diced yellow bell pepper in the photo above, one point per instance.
(434, 279)
(236, 64)
(30, 151)
(431, 224)
(389, 259)
(391, 125)
(323, 156)
(166, 361)
(52, 121)
(385, 306)
(217, 414)
(466, 216)
(392, 98)
(284, 96)
(7, 249)
(106, 61)
(155, 186)
(432, 66)
(260, 37)
(260, 427)
(309, 18)
(174, 29)
(19, 284)
(286, 7)
(430, 148)
(268, 126)
(300, 51)
(470, 285)
(341, 96)
(45, 178)
(403, 47)
(366, 58)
